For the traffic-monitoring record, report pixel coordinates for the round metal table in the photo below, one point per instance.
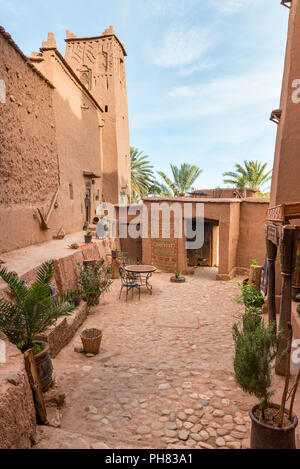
(142, 274)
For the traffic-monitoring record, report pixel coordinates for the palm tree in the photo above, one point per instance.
(183, 178)
(253, 174)
(142, 176)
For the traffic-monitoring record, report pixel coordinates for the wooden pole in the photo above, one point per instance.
(35, 384)
(271, 255)
(255, 276)
(287, 260)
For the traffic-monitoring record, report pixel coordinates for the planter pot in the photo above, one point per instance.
(115, 254)
(88, 239)
(267, 437)
(91, 340)
(295, 292)
(44, 366)
(177, 280)
(77, 301)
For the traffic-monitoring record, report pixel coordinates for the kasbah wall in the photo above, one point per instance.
(241, 235)
(53, 142)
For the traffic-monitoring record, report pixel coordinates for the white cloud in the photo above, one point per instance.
(204, 65)
(230, 92)
(180, 47)
(232, 6)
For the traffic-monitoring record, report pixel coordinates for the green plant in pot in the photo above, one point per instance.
(31, 311)
(296, 286)
(115, 253)
(88, 237)
(122, 256)
(95, 278)
(256, 353)
(177, 278)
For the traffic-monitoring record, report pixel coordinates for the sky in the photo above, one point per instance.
(202, 75)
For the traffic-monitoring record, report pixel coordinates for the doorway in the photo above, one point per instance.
(87, 201)
(133, 247)
(208, 254)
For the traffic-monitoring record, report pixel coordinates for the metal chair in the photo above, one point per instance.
(129, 282)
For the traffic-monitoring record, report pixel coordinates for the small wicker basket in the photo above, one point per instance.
(91, 340)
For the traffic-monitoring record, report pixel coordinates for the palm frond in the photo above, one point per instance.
(45, 273)
(17, 287)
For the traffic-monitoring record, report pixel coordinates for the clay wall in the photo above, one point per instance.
(29, 172)
(101, 61)
(285, 183)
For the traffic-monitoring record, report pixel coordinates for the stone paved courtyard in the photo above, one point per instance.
(164, 376)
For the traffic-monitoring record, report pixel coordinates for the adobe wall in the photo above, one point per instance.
(241, 235)
(78, 134)
(225, 212)
(17, 412)
(252, 243)
(100, 61)
(285, 183)
(28, 162)
(225, 193)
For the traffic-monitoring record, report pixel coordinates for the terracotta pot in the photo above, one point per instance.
(178, 279)
(44, 366)
(115, 254)
(266, 437)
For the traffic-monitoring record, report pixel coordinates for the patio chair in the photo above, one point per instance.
(128, 282)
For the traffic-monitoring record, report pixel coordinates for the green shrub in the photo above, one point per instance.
(250, 297)
(94, 278)
(256, 348)
(32, 310)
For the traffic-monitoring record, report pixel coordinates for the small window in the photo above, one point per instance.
(106, 108)
(71, 191)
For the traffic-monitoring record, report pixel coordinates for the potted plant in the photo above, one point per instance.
(122, 257)
(115, 253)
(95, 278)
(88, 237)
(31, 312)
(256, 353)
(178, 278)
(296, 286)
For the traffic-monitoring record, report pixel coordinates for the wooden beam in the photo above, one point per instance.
(271, 256)
(287, 249)
(35, 384)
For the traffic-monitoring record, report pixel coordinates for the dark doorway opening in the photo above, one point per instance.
(208, 254)
(87, 201)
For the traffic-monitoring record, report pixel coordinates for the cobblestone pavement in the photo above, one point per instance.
(164, 378)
